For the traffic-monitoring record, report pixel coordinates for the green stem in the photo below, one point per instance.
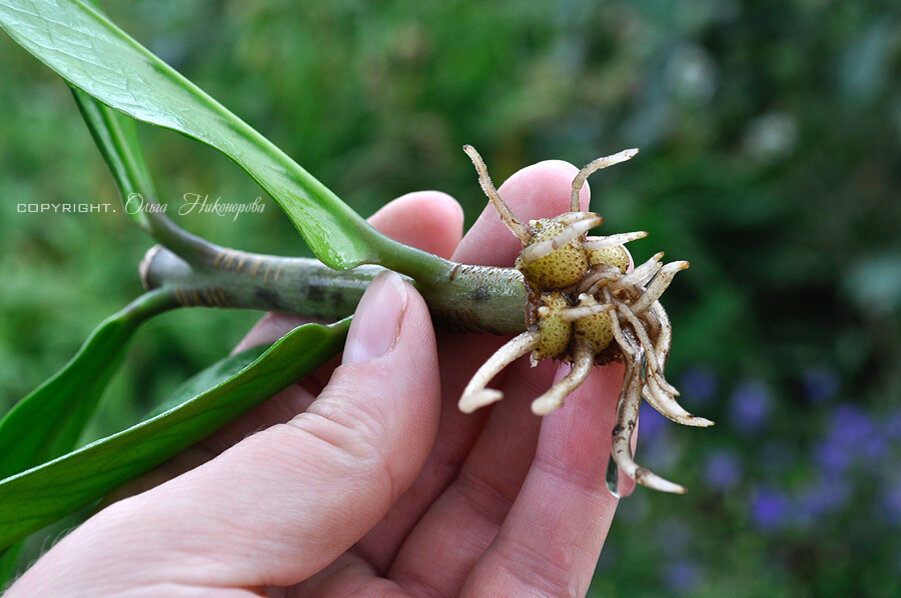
(460, 297)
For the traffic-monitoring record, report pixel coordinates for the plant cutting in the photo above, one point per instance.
(596, 312)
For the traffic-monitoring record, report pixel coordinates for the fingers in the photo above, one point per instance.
(428, 220)
(535, 191)
(272, 326)
(465, 519)
(550, 541)
(285, 502)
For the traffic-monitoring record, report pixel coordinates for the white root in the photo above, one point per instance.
(667, 405)
(657, 391)
(658, 285)
(626, 417)
(621, 447)
(613, 240)
(476, 395)
(638, 321)
(665, 336)
(513, 223)
(572, 314)
(641, 333)
(594, 166)
(574, 217)
(599, 276)
(627, 344)
(536, 251)
(583, 360)
(641, 274)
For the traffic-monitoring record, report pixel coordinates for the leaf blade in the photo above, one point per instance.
(92, 54)
(9, 560)
(36, 497)
(48, 421)
(115, 137)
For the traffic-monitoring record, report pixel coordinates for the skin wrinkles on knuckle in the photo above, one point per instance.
(567, 479)
(415, 584)
(537, 574)
(363, 562)
(345, 584)
(376, 420)
(359, 438)
(477, 493)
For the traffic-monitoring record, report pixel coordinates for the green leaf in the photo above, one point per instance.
(116, 139)
(9, 560)
(212, 376)
(92, 54)
(48, 422)
(34, 498)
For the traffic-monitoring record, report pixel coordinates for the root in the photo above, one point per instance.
(553, 398)
(658, 285)
(592, 167)
(567, 313)
(621, 444)
(476, 395)
(613, 240)
(513, 223)
(599, 276)
(573, 314)
(642, 274)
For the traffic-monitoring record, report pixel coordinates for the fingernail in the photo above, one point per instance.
(376, 322)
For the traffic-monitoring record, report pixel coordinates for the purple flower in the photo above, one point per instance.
(682, 577)
(820, 384)
(751, 405)
(873, 449)
(854, 430)
(722, 470)
(831, 456)
(699, 384)
(770, 510)
(851, 425)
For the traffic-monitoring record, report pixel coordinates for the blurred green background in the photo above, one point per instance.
(771, 159)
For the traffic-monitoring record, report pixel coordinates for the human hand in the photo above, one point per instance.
(365, 479)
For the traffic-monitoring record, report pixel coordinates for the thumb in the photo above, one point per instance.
(283, 503)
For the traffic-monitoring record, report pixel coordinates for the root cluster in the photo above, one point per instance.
(589, 309)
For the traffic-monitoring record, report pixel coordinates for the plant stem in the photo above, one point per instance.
(460, 297)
